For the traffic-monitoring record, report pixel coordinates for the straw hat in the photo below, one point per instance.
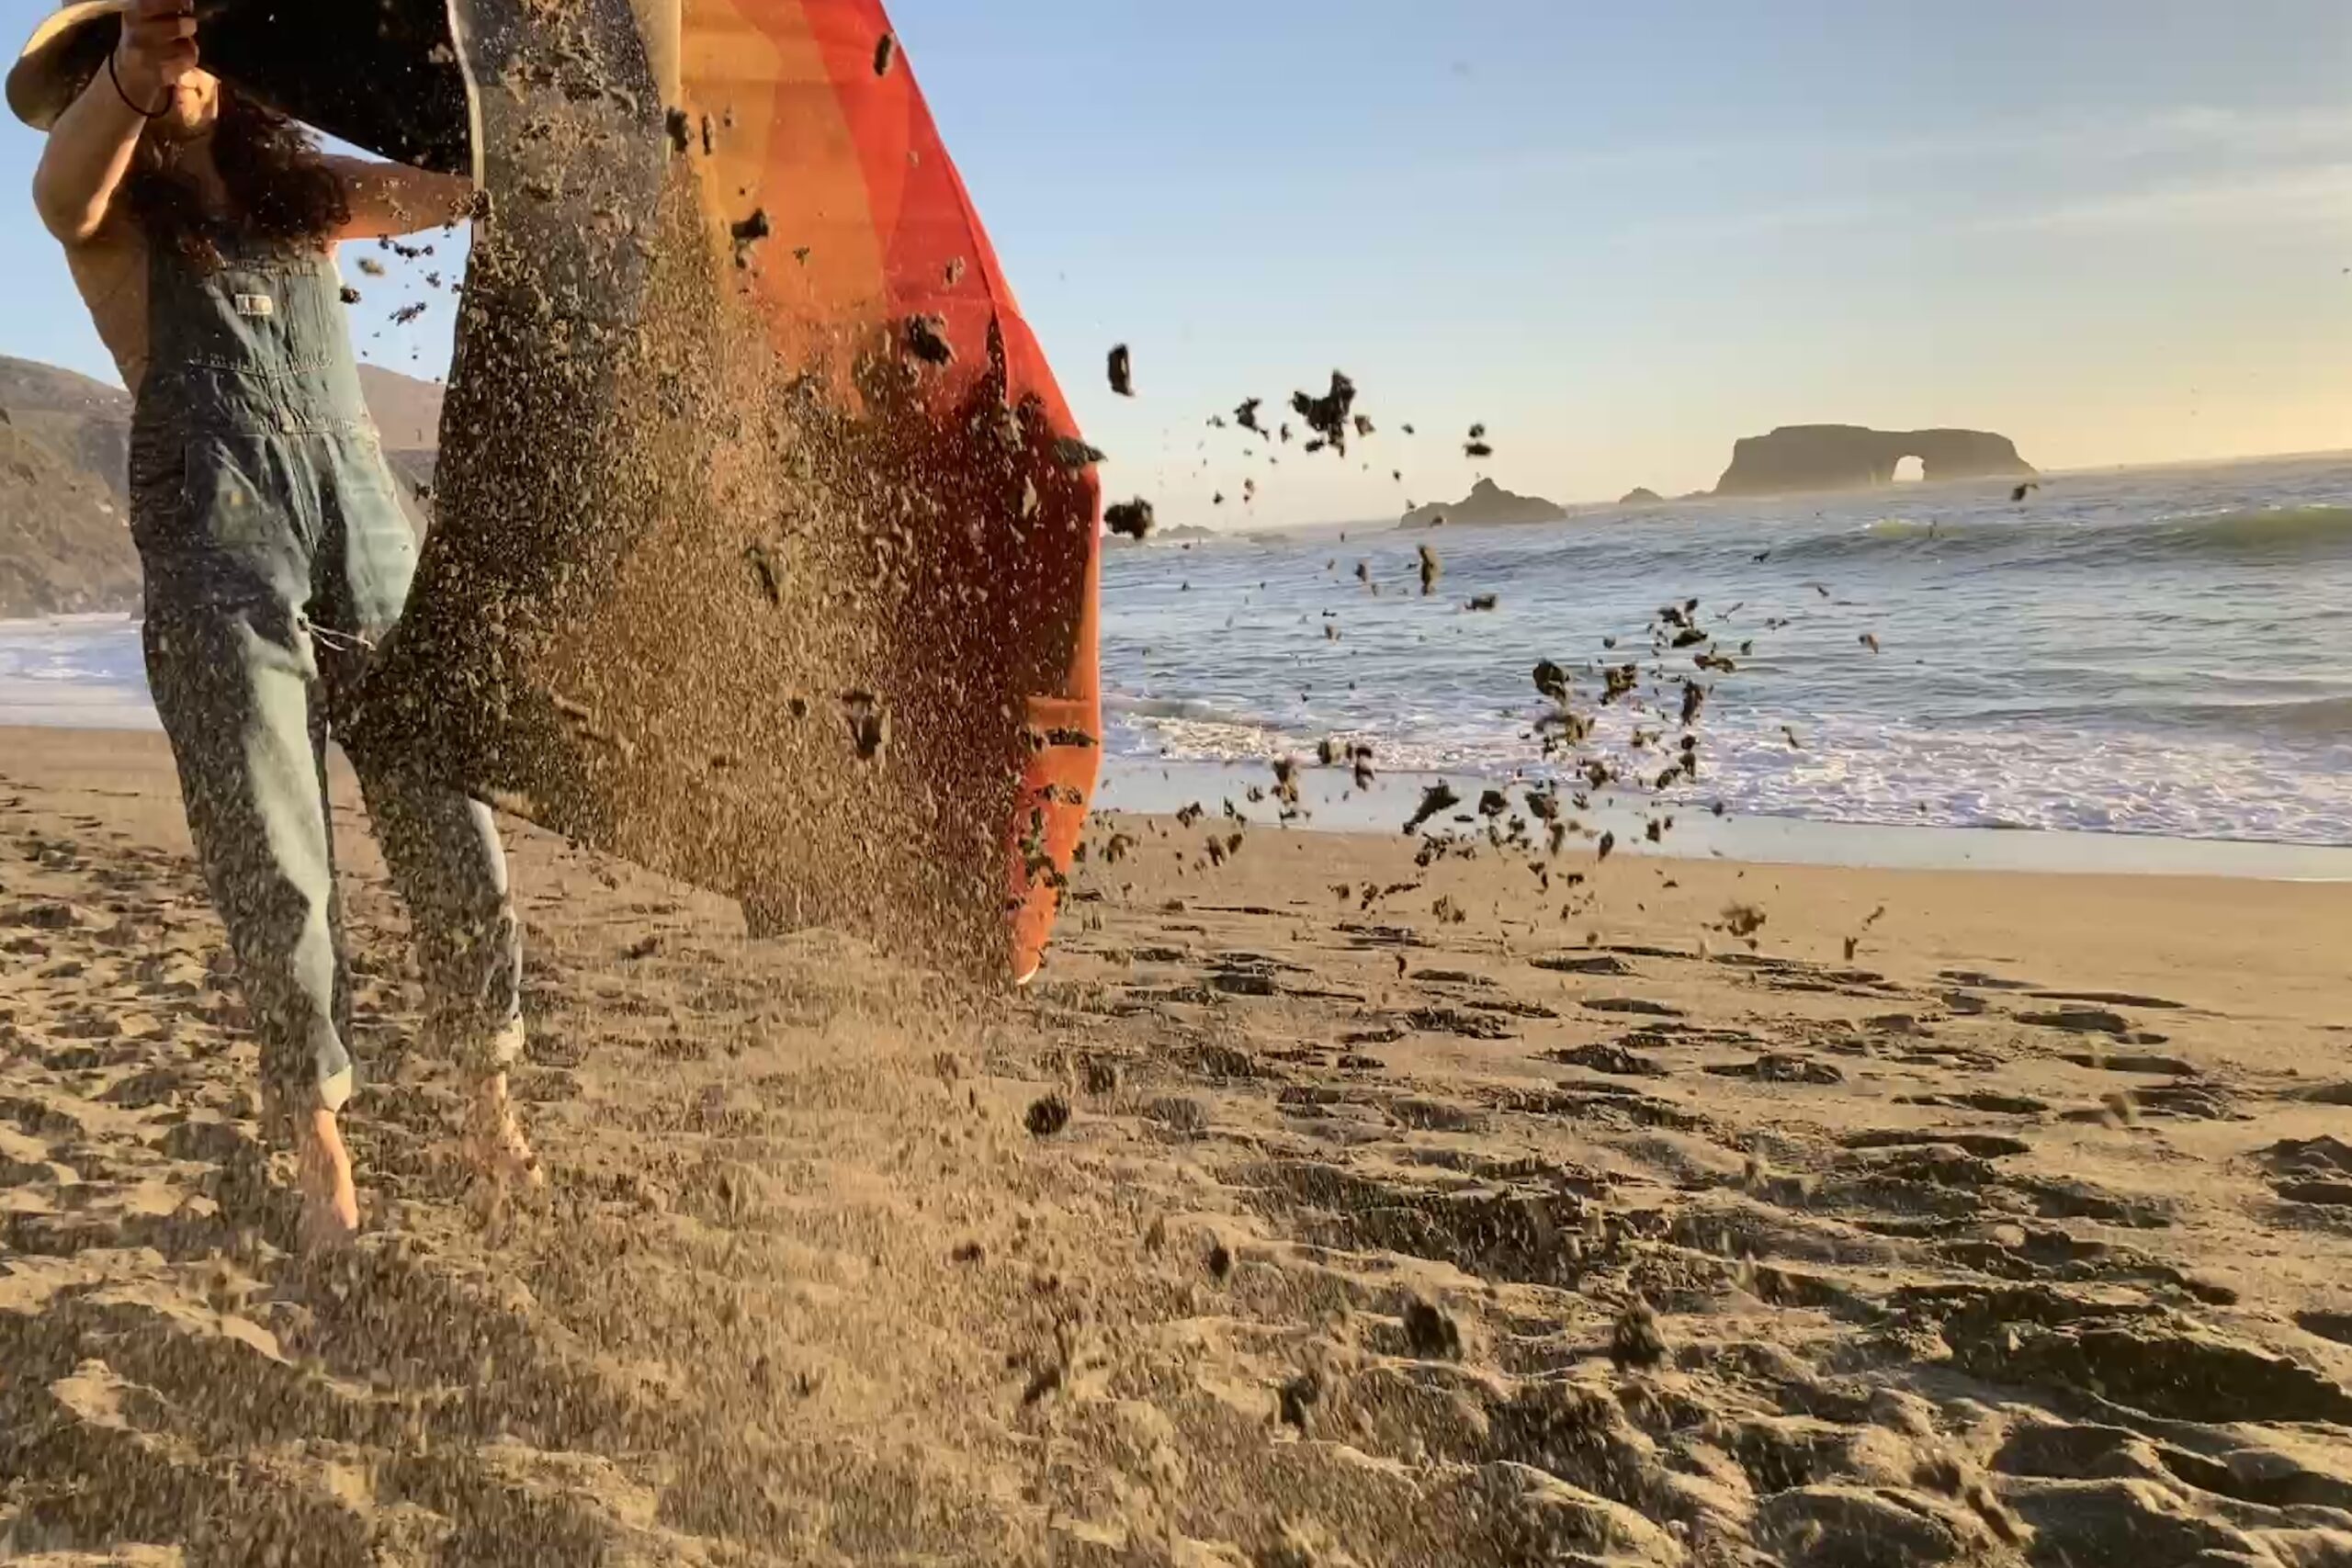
(69, 46)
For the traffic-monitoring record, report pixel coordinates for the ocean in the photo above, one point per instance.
(2151, 653)
(2160, 652)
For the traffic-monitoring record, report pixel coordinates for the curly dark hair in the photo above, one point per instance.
(279, 190)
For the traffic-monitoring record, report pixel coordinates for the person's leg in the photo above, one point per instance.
(235, 686)
(446, 859)
(442, 849)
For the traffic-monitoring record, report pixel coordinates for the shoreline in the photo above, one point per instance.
(1133, 786)
(1143, 787)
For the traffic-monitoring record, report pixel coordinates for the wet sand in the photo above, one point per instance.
(1342, 1236)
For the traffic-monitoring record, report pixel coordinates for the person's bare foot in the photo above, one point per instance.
(329, 1202)
(494, 1144)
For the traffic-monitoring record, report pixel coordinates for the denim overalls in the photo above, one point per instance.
(276, 557)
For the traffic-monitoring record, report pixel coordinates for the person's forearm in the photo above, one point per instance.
(394, 198)
(88, 155)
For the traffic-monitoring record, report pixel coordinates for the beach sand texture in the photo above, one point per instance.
(1266, 1229)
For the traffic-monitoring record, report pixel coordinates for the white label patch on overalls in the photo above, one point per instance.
(255, 305)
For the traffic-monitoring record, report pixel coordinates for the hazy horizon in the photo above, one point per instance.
(2119, 235)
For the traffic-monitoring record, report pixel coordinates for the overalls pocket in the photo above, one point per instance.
(379, 549)
(240, 531)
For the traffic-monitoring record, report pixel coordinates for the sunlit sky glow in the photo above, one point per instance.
(1622, 236)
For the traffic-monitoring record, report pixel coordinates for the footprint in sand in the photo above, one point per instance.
(1599, 964)
(2128, 1062)
(2109, 998)
(2189, 1101)
(2336, 1325)
(2086, 1020)
(2311, 1170)
(1608, 1059)
(1985, 1145)
(2175, 1373)
(1779, 1067)
(1991, 1101)
(1634, 1006)
(1454, 1020)
(1984, 982)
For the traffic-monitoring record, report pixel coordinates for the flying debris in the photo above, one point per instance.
(927, 339)
(869, 724)
(1286, 785)
(1328, 415)
(1122, 371)
(747, 232)
(1131, 519)
(1437, 797)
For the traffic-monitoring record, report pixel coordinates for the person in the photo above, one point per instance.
(200, 226)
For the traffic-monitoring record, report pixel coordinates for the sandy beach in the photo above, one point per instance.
(1938, 1217)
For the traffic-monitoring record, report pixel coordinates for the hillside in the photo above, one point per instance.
(64, 543)
(65, 456)
(407, 411)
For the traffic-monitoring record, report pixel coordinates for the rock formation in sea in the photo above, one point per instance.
(1849, 457)
(1486, 502)
(1640, 496)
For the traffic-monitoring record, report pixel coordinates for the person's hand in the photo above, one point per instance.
(157, 49)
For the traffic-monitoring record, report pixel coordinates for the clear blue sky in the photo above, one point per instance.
(1623, 235)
